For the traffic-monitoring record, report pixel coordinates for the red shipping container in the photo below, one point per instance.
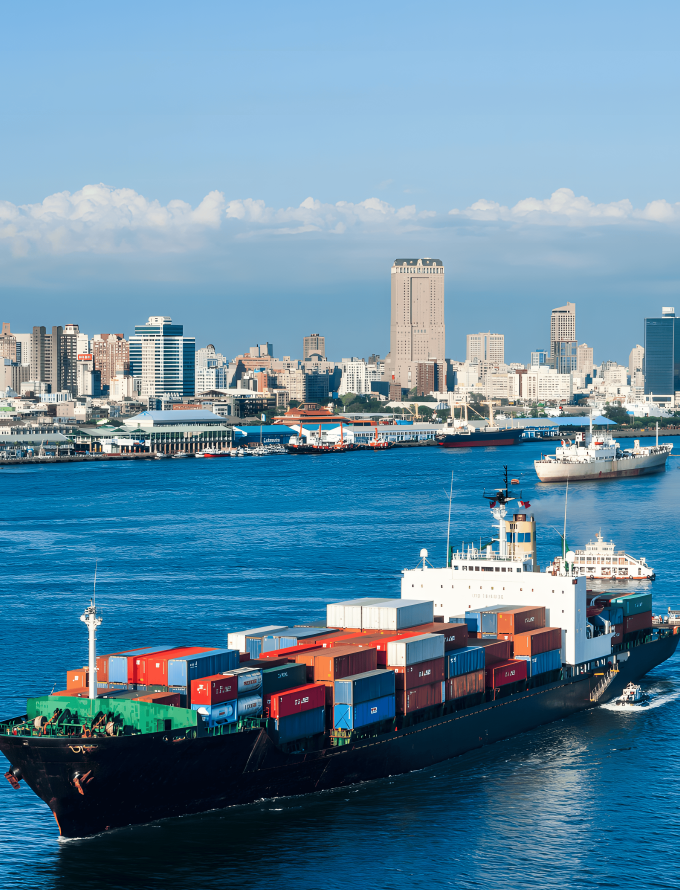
(455, 635)
(516, 621)
(495, 651)
(617, 636)
(637, 622)
(153, 668)
(409, 700)
(293, 701)
(339, 662)
(413, 675)
(506, 672)
(466, 684)
(213, 690)
(533, 642)
(78, 678)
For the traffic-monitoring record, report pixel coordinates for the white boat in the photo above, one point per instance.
(632, 695)
(212, 452)
(596, 456)
(180, 454)
(600, 561)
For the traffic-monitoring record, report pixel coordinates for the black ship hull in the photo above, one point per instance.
(138, 779)
(480, 438)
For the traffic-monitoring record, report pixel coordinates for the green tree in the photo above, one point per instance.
(616, 413)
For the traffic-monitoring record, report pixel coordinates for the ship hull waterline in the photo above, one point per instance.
(144, 778)
(480, 440)
(554, 471)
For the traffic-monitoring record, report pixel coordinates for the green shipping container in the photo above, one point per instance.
(634, 603)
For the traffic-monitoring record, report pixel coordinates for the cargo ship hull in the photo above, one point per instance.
(561, 471)
(135, 780)
(480, 439)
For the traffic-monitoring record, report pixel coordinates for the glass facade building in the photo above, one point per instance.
(565, 356)
(662, 355)
(163, 358)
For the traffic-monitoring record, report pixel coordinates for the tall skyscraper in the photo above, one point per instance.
(485, 348)
(417, 330)
(50, 359)
(8, 343)
(163, 357)
(562, 325)
(584, 360)
(636, 360)
(314, 347)
(565, 356)
(111, 355)
(662, 355)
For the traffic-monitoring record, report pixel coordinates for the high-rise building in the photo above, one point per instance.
(539, 357)
(584, 360)
(662, 355)
(485, 348)
(636, 360)
(50, 358)
(565, 356)
(207, 357)
(8, 343)
(314, 347)
(111, 354)
(74, 344)
(562, 325)
(163, 357)
(417, 329)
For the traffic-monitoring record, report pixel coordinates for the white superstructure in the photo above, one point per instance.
(601, 561)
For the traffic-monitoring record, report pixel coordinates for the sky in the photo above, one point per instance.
(253, 170)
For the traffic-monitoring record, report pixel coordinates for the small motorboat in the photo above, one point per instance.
(632, 695)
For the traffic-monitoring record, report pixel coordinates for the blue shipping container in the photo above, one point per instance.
(613, 614)
(474, 621)
(542, 663)
(364, 687)
(299, 726)
(363, 714)
(292, 636)
(464, 661)
(118, 663)
(181, 671)
(214, 714)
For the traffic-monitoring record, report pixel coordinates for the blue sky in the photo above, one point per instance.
(253, 170)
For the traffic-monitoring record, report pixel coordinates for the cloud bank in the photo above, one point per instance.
(103, 219)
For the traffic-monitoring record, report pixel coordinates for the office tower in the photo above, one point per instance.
(111, 355)
(73, 344)
(87, 377)
(539, 357)
(636, 360)
(417, 329)
(50, 359)
(584, 360)
(485, 348)
(207, 357)
(565, 356)
(8, 343)
(314, 348)
(662, 355)
(163, 357)
(562, 325)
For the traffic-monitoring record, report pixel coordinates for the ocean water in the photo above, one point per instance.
(188, 550)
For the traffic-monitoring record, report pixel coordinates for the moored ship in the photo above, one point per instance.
(379, 687)
(463, 434)
(600, 561)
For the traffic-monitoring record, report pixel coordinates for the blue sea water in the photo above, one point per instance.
(188, 550)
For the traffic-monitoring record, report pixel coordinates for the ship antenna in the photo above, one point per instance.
(94, 590)
(448, 532)
(564, 536)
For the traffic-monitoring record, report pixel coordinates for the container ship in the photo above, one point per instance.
(471, 653)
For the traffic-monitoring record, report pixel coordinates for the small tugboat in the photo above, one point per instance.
(600, 561)
(632, 695)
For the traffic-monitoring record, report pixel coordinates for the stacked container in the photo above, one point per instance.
(495, 650)
(152, 669)
(279, 678)
(348, 613)
(250, 641)
(543, 662)
(292, 636)
(465, 661)
(397, 614)
(298, 713)
(184, 669)
(363, 699)
(119, 668)
(506, 672)
(536, 642)
(412, 652)
(520, 620)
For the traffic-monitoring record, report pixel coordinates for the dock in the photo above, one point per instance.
(74, 459)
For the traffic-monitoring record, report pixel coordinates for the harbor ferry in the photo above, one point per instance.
(600, 561)
(472, 653)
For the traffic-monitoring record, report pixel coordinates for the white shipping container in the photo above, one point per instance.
(397, 614)
(412, 650)
(348, 612)
(238, 640)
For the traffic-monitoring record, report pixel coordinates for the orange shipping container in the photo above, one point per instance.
(534, 642)
(409, 700)
(466, 684)
(78, 678)
(517, 621)
(153, 668)
(339, 662)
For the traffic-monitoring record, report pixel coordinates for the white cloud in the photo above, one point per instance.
(563, 207)
(99, 218)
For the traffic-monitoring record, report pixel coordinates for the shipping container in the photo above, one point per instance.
(506, 672)
(299, 726)
(495, 650)
(533, 642)
(288, 652)
(364, 687)
(466, 684)
(348, 612)
(181, 671)
(409, 700)
(291, 636)
(249, 706)
(634, 603)
(120, 664)
(279, 679)
(225, 712)
(412, 675)
(171, 699)
(78, 678)
(347, 716)
(301, 698)
(411, 650)
(334, 664)
(521, 619)
(237, 639)
(637, 621)
(464, 661)
(213, 690)
(613, 614)
(617, 634)
(249, 680)
(542, 662)
(455, 634)
(153, 668)
(397, 614)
